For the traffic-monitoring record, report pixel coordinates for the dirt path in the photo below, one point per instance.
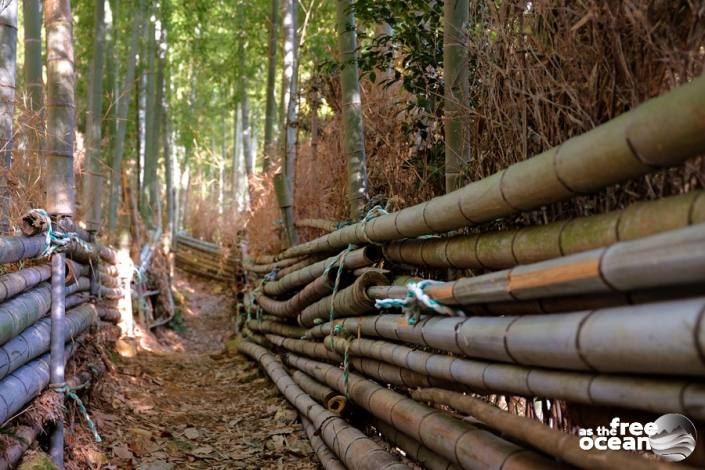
(189, 405)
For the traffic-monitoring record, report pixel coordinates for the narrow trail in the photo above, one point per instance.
(186, 403)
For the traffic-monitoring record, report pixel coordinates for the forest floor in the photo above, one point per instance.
(186, 402)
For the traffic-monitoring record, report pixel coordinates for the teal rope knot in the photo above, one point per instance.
(376, 211)
(415, 299)
(272, 275)
(56, 242)
(63, 388)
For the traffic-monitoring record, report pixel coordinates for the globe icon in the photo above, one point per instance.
(674, 439)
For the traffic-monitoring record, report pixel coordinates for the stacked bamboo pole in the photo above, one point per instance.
(205, 259)
(605, 311)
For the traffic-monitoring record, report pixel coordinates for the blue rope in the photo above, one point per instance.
(71, 393)
(415, 298)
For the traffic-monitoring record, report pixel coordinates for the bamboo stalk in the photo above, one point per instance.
(355, 259)
(609, 340)
(348, 302)
(562, 446)
(499, 250)
(276, 328)
(667, 260)
(307, 348)
(320, 224)
(418, 452)
(327, 458)
(646, 394)
(662, 131)
(352, 447)
(314, 291)
(461, 443)
(323, 394)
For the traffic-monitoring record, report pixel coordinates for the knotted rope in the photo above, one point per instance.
(71, 393)
(415, 299)
(55, 242)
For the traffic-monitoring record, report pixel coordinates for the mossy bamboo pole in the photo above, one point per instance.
(348, 302)
(34, 340)
(8, 72)
(398, 375)
(33, 80)
(327, 458)
(661, 132)
(463, 444)
(313, 292)
(310, 349)
(606, 340)
(623, 391)
(61, 112)
(332, 400)
(670, 259)
(564, 447)
(353, 448)
(283, 190)
(456, 91)
(500, 250)
(276, 328)
(352, 126)
(355, 259)
(308, 261)
(23, 310)
(93, 176)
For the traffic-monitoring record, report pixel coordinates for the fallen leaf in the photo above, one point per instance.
(121, 451)
(192, 433)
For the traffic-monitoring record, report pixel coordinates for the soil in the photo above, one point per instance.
(184, 401)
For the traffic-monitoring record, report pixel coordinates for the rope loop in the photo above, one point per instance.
(415, 299)
(56, 242)
(70, 392)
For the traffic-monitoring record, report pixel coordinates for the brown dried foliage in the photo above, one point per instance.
(561, 68)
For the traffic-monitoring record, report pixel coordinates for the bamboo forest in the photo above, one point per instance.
(352, 234)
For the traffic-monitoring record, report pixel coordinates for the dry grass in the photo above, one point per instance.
(561, 68)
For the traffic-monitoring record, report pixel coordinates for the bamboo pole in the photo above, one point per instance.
(8, 72)
(271, 74)
(500, 250)
(609, 340)
(418, 452)
(332, 400)
(461, 443)
(661, 132)
(314, 291)
(348, 302)
(58, 351)
(327, 458)
(60, 107)
(623, 391)
(269, 267)
(564, 447)
(34, 340)
(321, 224)
(654, 263)
(352, 126)
(456, 90)
(310, 349)
(93, 177)
(276, 328)
(352, 447)
(355, 259)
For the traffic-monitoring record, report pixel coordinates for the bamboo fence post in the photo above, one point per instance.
(8, 70)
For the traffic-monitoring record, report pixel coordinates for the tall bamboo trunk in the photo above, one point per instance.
(61, 116)
(289, 33)
(33, 80)
(353, 131)
(271, 77)
(235, 177)
(293, 102)
(8, 66)
(93, 177)
(148, 199)
(455, 71)
(123, 106)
